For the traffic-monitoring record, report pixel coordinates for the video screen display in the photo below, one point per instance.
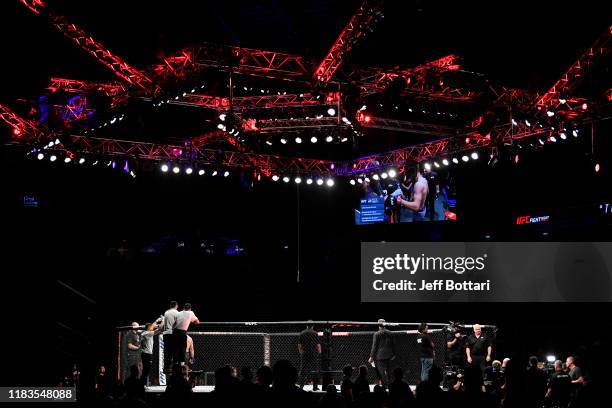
(418, 194)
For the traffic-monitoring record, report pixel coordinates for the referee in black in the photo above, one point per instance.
(383, 351)
(309, 348)
(478, 349)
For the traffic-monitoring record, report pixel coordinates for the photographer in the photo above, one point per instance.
(455, 346)
(478, 349)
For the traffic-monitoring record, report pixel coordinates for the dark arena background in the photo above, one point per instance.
(235, 155)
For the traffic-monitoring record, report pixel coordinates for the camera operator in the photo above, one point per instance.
(455, 346)
(478, 349)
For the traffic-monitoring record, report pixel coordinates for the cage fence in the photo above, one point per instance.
(253, 344)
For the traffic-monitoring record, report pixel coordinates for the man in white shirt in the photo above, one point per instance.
(183, 320)
(146, 348)
(167, 326)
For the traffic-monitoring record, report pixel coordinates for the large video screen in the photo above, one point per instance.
(418, 194)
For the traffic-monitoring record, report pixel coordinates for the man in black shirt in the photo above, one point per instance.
(478, 349)
(133, 348)
(383, 351)
(559, 387)
(455, 348)
(309, 348)
(535, 383)
(426, 349)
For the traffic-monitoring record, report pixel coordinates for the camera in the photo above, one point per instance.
(455, 327)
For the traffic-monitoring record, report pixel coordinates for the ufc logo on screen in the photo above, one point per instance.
(522, 220)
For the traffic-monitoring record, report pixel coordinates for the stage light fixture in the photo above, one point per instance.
(298, 140)
(541, 142)
(516, 158)
(352, 182)
(474, 156)
(562, 101)
(563, 135)
(465, 158)
(201, 172)
(298, 180)
(188, 170)
(286, 179)
(57, 141)
(81, 160)
(597, 167)
(367, 179)
(320, 182)
(427, 166)
(331, 111)
(329, 139)
(360, 181)
(575, 132)
(226, 174)
(309, 181)
(221, 126)
(176, 169)
(585, 106)
(445, 162)
(275, 178)
(514, 122)
(344, 139)
(313, 139)
(527, 122)
(375, 177)
(53, 158)
(550, 113)
(437, 165)
(553, 139)
(330, 182)
(268, 142)
(214, 173)
(392, 173)
(551, 359)
(383, 175)
(455, 160)
(40, 156)
(283, 140)
(67, 160)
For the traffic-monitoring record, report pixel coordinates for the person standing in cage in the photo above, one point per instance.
(383, 351)
(183, 320)
(309, 349)
(168, 323)
(478, 349)
(427, 351)
(190, 351)
(146, 348)
(133, 348)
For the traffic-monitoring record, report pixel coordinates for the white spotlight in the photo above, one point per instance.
(360, 181)
(474, 156)
(57, 141)
(352, 182)
(188, 170)
(330, 182)
(553, 139)
(226, 174)
(67, 160)
(283, 140)
(445, 162)
(268, 142)
(427, 166)
(275, 178)
(331, 111)
(176, 169)
(164, 168)
(201, 172)
(53, 158)
(286, 179)
(329, 139)
(384, 175)
(465, 158)
(551, 358)
(40, 156)
(320, 182)
(297, 180)
(81, 160)
(309, 181)
(514, 123)
(298, 140)
(575, 133)
(527, 122)
(550, 114)
(437, 165)
(222, 117)
(313, 139)
(375, 177)
(455, 160)
(392, 173)
(563, 135)
(214, 173)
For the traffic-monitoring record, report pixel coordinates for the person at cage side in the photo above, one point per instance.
(309, 348)
(382, 352)
(426, 349)
(479, 349)
(190, 351)
(146, 349)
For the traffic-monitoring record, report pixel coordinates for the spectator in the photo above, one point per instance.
(362, 385)
(331, 399)
(535, 383)
(429, 393)
(134, 387)
(179, 389)
(284, 391)
(400, 394)
(346, 388)
(559, 387)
